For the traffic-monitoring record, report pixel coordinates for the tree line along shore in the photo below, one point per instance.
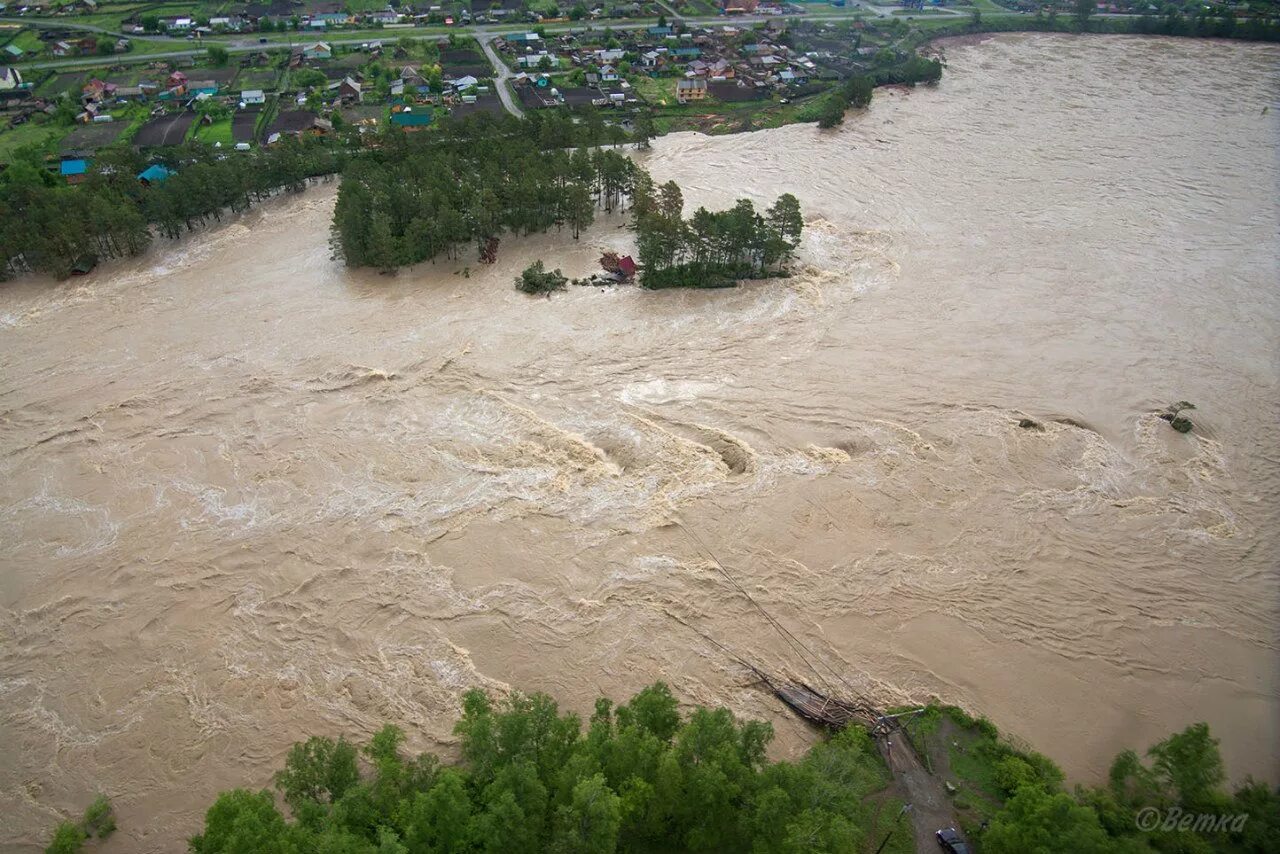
(410, 199)
(644, 777)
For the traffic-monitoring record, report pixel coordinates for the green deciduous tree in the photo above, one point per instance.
(589, 823)
(832, 112)
(1038, 822)
(245, 822)
(1084, 10)
(319, 769)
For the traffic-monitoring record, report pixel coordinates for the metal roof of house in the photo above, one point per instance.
(155, 173)
(406, 118)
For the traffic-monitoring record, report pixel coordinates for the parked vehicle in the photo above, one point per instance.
(952, 842)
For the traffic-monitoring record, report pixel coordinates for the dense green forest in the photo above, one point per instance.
(45, 225)
(641, 777)
(415, 201)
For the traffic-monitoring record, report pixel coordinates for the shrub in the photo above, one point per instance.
(536, 280)
(99, 818)
(67, 839)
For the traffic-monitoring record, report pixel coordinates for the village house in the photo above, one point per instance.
(691, 89)
(202, 88)
(534, 60)
(96, 91)
(10, 78)
(409, 120)
(156, 173)
(522, 38)
(253, 96)
(73, 169)
(349, 91)
(297, 123)
(176, 83)
(317, 50)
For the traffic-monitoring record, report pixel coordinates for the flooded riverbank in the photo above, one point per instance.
(250, 495)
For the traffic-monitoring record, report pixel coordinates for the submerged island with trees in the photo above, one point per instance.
(417, 202)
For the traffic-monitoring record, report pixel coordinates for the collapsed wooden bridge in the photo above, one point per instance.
(826, 711)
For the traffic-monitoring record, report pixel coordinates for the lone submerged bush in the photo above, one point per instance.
(1173, 414)
(536, 280)
(99, 820)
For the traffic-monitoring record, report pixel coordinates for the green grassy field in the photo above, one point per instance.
(111, 17)
(46, 135)
(219, 131)
(28, 41)
(56, 84)
(656, 90)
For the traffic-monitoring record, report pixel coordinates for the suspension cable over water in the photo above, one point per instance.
(795, 643)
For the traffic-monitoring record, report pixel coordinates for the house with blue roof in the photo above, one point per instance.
(156, 173)
(73, 169)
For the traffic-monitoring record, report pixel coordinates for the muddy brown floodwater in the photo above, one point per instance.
(247, 495)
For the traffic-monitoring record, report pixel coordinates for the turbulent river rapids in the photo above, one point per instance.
(248, 495)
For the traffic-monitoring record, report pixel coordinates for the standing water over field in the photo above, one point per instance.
(248, 495)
